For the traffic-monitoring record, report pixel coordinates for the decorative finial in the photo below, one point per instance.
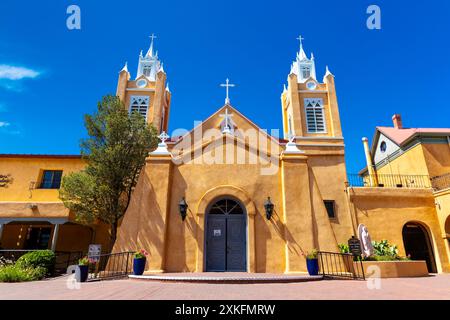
(227, 118)
(162, 146)
(125, 67)
(227, 85)
(163, 137)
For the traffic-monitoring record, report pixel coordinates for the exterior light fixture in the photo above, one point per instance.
(183, 206)
(268, 206)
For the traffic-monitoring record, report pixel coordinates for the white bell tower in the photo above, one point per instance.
(149, 65)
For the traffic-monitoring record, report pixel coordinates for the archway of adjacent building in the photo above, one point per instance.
(417, 242)
(226, 235)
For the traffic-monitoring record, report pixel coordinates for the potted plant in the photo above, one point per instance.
(312, 262)
(83, 265)
(139, 262)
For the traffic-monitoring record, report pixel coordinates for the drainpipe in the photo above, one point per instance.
(370, 167)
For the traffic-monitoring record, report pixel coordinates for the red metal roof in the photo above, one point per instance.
(399, 136)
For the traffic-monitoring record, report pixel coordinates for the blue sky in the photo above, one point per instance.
(50, 76)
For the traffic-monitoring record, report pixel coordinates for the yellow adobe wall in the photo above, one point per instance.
(437, 158)
(411, 162)
(385, 211)
(25, 170)
(442, 200)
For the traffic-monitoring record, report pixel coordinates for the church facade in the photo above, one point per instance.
(228, 196)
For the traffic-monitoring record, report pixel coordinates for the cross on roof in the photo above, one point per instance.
(163, 137)
(152, 36)
(227, 118)
(227, 85)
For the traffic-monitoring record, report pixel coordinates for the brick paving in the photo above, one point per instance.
(434, 287)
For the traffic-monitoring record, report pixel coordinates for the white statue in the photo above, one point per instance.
(366, 241)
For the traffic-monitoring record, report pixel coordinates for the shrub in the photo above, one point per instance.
(384, 248)
(343, 248)
(14, 273)
(42, 259)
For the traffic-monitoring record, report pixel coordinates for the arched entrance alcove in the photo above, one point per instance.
(225, 235)
(228, 209)
(417, 242)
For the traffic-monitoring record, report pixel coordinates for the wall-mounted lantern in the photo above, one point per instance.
(268, 206)
(183, 206)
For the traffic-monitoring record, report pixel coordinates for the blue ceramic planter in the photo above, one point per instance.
(312, 266)
(84, 272)
(139, 266)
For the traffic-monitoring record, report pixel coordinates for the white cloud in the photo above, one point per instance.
(16, 73)
(4, 124)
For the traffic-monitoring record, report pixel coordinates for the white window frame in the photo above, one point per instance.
(143, 101)
(321, 109)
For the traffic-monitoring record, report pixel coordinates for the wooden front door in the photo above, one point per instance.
(226, 239)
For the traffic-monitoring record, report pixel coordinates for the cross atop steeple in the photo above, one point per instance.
(227, 85)
(150, 50)
(300, 38)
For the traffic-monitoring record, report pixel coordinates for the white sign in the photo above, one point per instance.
(217, 233)
(94, 252)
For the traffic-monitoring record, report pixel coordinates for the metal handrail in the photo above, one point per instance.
(336, 265)
(389, 181)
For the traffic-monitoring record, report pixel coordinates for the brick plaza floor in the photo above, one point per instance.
(433, 287)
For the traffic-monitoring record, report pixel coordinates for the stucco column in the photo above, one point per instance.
(55, 236)
(298, 225)
(154, 217)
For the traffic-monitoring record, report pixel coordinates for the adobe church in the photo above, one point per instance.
(226, 228)
(229, 196)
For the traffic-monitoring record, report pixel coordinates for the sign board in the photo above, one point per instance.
(217, 233)
(94, 252)
(355, 246)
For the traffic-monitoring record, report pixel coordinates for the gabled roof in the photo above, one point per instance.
(206, 123)
(401, 136)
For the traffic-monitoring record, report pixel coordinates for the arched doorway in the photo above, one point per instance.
(226, 236)
(418, 245)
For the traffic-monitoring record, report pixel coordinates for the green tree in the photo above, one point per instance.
(115, 152)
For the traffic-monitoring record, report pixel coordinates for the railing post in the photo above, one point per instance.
(321, 262)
